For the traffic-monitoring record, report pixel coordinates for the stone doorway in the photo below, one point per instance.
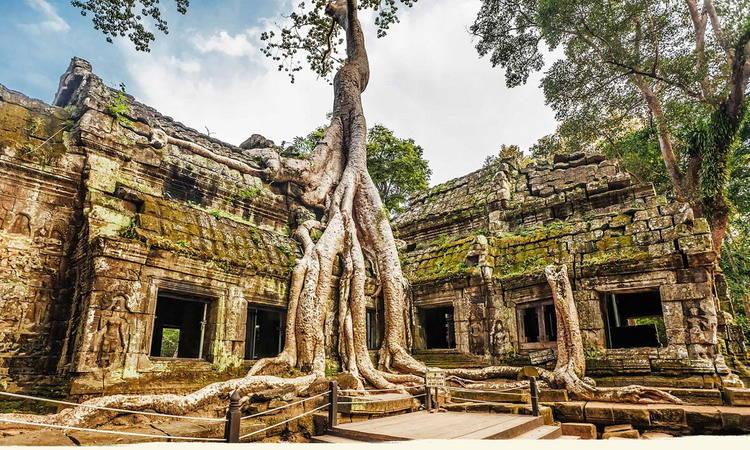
(264, 335)
(437, 324)
(634, 319)
(179, 326)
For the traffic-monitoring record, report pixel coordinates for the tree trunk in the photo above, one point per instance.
(335, 178)
(571, 361)
(357, 224)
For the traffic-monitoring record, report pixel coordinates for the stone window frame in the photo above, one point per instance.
(633, 286)
(542, 344)
(215, 301)
(628, 290)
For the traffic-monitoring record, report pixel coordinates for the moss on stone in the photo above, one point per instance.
(442, 258)
(616, 254)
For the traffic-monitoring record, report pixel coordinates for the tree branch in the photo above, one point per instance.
(665, 137)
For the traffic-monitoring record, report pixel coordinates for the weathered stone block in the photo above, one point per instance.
(737, 396)
(703, 419)
(664, 416)
(569, 411)
(696, 243)
(660, 222)
(599, 412)
(626, 434)
(685, 291)
(582, 430)
(636, 415)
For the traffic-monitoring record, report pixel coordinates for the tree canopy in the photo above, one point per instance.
(128, 18)
(397, 167)
(679, 68)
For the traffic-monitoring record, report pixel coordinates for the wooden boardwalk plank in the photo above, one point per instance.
(443, 425)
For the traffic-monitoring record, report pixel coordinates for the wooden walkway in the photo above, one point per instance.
(442, 425)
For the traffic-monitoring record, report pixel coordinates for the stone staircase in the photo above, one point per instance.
(449, 359)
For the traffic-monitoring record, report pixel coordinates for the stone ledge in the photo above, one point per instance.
(737, 396)
(683, 419)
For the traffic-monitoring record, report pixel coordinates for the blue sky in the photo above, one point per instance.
(427, 82)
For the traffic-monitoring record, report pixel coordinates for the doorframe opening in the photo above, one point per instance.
(254, 331)
(200, 318)
(444, 336)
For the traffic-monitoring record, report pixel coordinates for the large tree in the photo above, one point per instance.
(354, 233)
(669, 62)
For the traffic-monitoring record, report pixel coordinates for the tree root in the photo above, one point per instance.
(214, 395)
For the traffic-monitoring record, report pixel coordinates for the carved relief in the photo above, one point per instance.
(476, 330)
(500, 338)
(21, 225)
(111, 338)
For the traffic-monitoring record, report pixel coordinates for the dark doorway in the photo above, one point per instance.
(373, 330)
(635, 320)
(537, 325)
(179, 326)
(264, 335)
(438, 327)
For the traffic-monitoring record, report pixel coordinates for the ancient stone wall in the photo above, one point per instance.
(40, 174)
(616, 238)
(101, 219)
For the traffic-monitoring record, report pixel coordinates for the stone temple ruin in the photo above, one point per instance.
(129, 263)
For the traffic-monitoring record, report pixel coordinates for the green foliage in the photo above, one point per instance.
(119, 107)
(735, 262)
(332, 368)
(397, 167)
(309, 39)
(121, 18)
(613, 55)
(250, 192)
(639, 154)
(302, 147)
(506, 152)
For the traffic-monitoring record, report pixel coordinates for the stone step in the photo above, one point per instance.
(449, 359)
(333, 439)
(543, 432)
(377, 404)
(501, 408)
(737, 396)
(489, 396)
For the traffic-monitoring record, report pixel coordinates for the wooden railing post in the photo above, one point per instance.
(428, 395)
(333, 404)
(534, 396)
(232, 425)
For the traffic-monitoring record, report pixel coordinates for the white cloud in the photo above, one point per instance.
(427, 83)
(52, 21)
(223, 42)
(190, 66)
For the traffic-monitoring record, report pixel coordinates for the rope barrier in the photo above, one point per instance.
(284, 406)
(123, 433)
(285, 421)
(105, 408)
